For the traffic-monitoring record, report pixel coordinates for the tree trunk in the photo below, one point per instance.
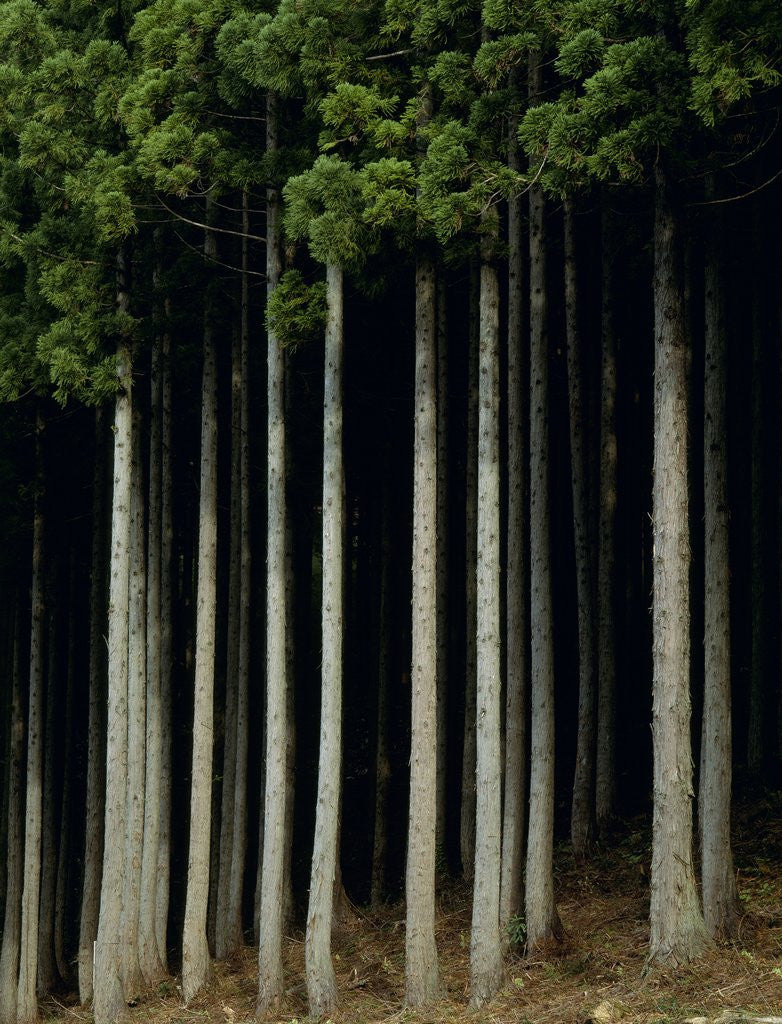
(442, 562)
(485, 943)
(541, 913)
(757, 703)
(166, 653)
(61, 898)
(270, 981)
(605, 777)
(582, 817)
(321, 982)
(47, 967)
(467, 821)
(422, 976)
(196, 968)
(235, 930)
(26, 1003)
(511, 897)
(382, 760)
(96, 726)
(132, 978)
(109, 1001)
(720, 899)
(223, 944)
(678, 932)
(149, 955)
(9, 957)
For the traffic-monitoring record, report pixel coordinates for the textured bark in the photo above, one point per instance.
(166, 653)
(235, 930)
(582, 815)
(223, 943)
(270, 981)
(467, 820)
(485, 942)
(541, 914)
(720, 899)
(47, 967)
(63, 856)
(442, 562)
(96, 725)
(605, 776)
(132, 979)
(196, 967)
(321, 982)
(149, 955)
(678, 933)
(511, 895)
(26, 1004)
(422, 976)
(382, 760)
(108, 1000)
(12, 919)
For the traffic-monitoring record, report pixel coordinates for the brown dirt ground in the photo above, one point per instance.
(603, 906)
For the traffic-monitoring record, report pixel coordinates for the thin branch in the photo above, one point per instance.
(218, 263)
(45, 252)
(209, 227)
(388, 56)
(744, 195)
(236, 117)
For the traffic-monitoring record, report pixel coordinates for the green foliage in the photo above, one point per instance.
(296, 311)
(516, 930)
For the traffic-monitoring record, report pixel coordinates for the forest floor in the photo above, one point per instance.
(595, 974)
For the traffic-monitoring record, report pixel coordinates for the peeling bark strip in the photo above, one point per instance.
(422, 977)
(678, 932)
(321, 982)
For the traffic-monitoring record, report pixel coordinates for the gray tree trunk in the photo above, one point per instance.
(12, 919)
(605, 776)
(582, 816)
(109, 1000)
(270, 980)
(196, 966)
(720, 899)
(467, 820)
(132, 979)
(149, 955)
(422, 976)
(678, 933)
(511, 890)
(96, 726)
(486, 969)
(321, 982)
(235, 930)
(223, 943)
(26, 1003)
(166, 653)
(541, 913)
(61, 898)
(442, 561)
(47, 967)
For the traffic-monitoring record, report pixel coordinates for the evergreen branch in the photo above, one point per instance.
(45, 252)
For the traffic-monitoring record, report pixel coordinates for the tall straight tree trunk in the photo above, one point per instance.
(223, 944)
(757, 702)
(96, 725)
(605, 775)
(442, 560)
(47, 967)
(133, 980)
(422, 976)
(485, 943)
(720, 899)
(382, 760)
(149, 955)
(511, 901)
(290, 693)
(678, 933)
(270, 980)
(467, 821)
(196, 967)
(12, 919)
(235, 930)
(64, 835)
(541, 913)
(166, 652)
(26, 1003)
(321, 982)
(582, 816)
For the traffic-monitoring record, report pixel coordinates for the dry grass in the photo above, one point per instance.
(603, 906)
